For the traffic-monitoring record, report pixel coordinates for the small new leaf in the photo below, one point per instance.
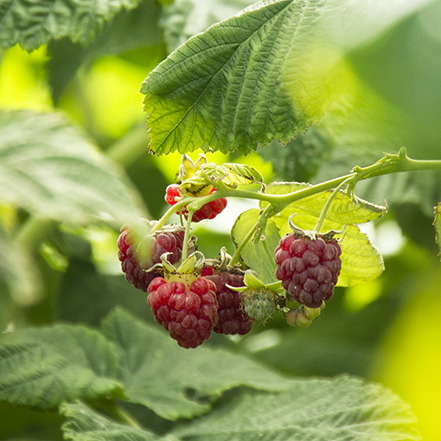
(232, 174)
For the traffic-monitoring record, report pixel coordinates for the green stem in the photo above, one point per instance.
(241, 246)
(130, 147)
(186, 237)
(324, 212)
(33, 232)
(119, 413)
(390, 163)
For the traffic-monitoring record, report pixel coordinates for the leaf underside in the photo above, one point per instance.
(267, 73)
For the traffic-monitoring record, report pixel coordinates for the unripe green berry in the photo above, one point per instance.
(259, 304)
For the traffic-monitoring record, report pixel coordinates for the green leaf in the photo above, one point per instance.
(176, 382)
(343, 209)
(53, 171)
(232, 174)
(267, 73)
(42, 367)
(36, 23)
(316, 410)
(83, 423)
(258, 253)
(361, 261)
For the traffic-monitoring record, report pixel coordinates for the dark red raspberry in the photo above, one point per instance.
(232, 317)
(207, 211)
(308, 268)
(188, 313)
(136, 270)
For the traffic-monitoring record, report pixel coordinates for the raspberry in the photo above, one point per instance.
(232, 317)
(135, 270)
(188, 313)
(259, 303)
(308, 268)
(208, 211)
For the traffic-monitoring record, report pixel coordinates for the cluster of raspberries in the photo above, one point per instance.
(188, 310)
(208, 211)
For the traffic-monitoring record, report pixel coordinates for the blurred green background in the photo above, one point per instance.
(387, 330)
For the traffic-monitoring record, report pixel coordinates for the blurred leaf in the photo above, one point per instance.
(258, 253)
(175, 382)
(18, 273)
(233, 86)
(34, 24)
(51, 170)
(41, 367)
(301, 157)
(339, 409)
(417, 327)
(361, 261)
(403, 68)
(84, 295)
(84, 423)
(129, 30)
(25, 424)
(185, 18)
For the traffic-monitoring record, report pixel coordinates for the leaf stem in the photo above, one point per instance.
(241, 246)
(119, 413)
(324, 212)
(33, 232)
(129, 148)
(186, 237)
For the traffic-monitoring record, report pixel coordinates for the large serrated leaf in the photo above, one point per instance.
(84, 423)
(361, 261)
(315, 410)
(33, 24)
(42, 367)
(258, 253)
(49, 168)
(267, 73)
(175, 382)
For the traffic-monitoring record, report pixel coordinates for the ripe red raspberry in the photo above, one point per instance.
(135, 270)
(188, 313)
(232, 317)
(308, 268)
(208, 211)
